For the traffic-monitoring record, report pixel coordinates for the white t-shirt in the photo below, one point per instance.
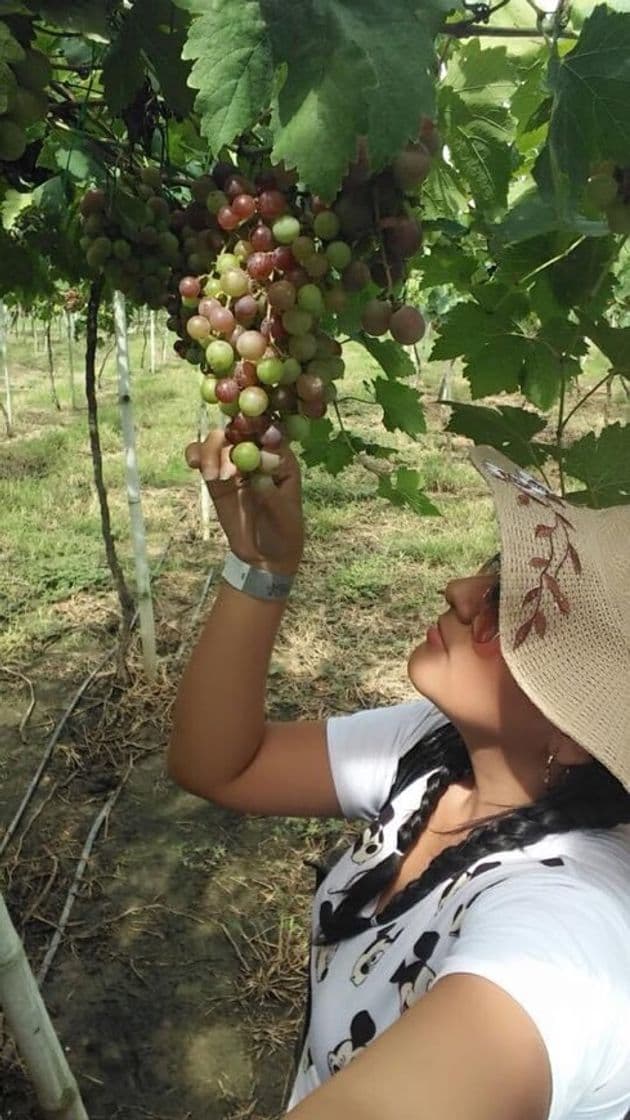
(550, 924)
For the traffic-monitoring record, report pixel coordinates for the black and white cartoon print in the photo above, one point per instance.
(323, 956)
(415, 978)
(370, 843)
(362, 1031)
(369, 958)
(465, 877)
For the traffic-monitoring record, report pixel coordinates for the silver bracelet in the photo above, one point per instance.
(255, 581)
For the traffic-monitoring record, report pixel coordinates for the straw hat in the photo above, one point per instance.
(565, 608)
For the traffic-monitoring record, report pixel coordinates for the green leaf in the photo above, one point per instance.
(482, 74)
(603, 464)
(10, 49)
(123, 69)
(322, 448)
(614, 342)
(542, 376)
(479, 141)
(402, 407)
(491, 343)
(577, 277)
(443, 194)
(509, 429)
(345, 77)
(402, 488)
(391, 357)
(445, 265)
(590, 119)
(533, 216)
(233, 68)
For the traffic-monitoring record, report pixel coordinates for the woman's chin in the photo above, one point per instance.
(421, 668)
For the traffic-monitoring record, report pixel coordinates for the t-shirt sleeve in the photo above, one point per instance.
(561, 951)
(364, 749)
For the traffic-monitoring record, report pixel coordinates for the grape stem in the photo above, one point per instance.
(374, 466)
(377, 220)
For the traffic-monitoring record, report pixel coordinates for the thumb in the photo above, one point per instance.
(193, 455)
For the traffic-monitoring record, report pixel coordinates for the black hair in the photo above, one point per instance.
(587, 796)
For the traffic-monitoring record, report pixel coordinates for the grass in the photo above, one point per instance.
(51, 546)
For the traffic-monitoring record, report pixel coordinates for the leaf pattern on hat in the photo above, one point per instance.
(550, 538)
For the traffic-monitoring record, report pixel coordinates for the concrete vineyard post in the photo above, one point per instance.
(132, 476)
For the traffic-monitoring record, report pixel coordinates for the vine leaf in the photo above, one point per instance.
(232, 70)
(391, 357)
(602, 463)
(491, 344)
(345, 78)
(478, 138)
(591, 87)
(402, 407)
(509, 429)
(402, 488)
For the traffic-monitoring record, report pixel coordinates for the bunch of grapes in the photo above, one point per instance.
(127, 235)
(253, 321)
(73, 301)
(608, 189)
(25, 79)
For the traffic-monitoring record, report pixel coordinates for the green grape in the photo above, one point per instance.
(339, 254)
(230, 409)
(246, 457)
(317, 266)
(291, 370)
(326, 225)
(216, 200)
(286, 229)
(234, 282)
(34, 71)
(121, 249)
(302, 347)
(270, 371)
(27, 107)
(297, 428)
(220, 357)
(297, 322)
(12, 140)
(225, 261)
(208, 387)
(168, 243)
(253, 401)
(334, 367)
(212, 288)
(303, 248)
(310, 298)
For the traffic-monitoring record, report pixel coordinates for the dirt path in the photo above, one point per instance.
(178, 988)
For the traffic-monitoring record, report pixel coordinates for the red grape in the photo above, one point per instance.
(356, 276)
(281, 295)
(206, 305)
(222, 320)
(298, 277)
(198, 328)
(376, 316)
(244, 206)
(227, 219)
(411, 166)
(189, 287)
(262, 239)
(260, 266)
(236, 334)
(283, 399)
(251, 345)
(310, 387)
(245, 374)
(314, 410)
(235, 185)
(227, 390)
(271, 205)
(407, 326)
(272, 438)
(283, 259)
(245, 310)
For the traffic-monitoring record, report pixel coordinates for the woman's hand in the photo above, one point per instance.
(262, 516)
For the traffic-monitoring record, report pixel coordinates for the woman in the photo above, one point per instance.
(471, 951)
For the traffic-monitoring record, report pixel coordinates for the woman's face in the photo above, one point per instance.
(461, 669)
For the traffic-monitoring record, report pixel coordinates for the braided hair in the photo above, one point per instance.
(587, 797)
